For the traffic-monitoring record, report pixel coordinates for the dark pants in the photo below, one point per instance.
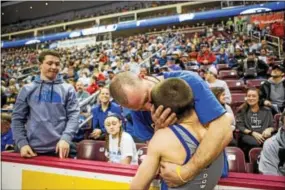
(247, 143)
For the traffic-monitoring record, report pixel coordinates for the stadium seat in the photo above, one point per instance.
(141, 151)
(237, 100)
(236, 159)
(221, 67)
(91, 150)
(228, 74)
(255, 82)
(254, 154)
(277, 120)
(236, 86)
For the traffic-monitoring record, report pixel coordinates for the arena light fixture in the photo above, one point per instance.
(31, 7)
(46, 3)
(2, 13)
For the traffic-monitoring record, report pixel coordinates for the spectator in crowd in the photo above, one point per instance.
(222, 58)
(33, 109)
(206, 58)
(252, 67)
(93, 86)
(81, 94)
(272, 157)
(171, 64)
(11, 94)
(254, 121)
(84, 79)
(100, 113)
(176, 94)
(163, 59)
(134, 93)
(212, 81)
(220, 94)
(272, 91)
(144, 72)
(120, 146)
(263, 56)
(7, 142)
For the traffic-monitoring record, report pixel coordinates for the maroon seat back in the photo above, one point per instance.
(91, 150)
(236, 159)
(254, 154)
(141, 151)
(254, 82)
(228, 74)
(236, 86)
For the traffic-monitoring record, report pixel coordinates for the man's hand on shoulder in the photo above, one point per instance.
(62, 148)
(27, 152)
(162, 118)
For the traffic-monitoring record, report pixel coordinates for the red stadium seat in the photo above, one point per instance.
(91, 150)
(236, 159)
(236, 86)
(254, 154)
(277, 120)
(141, 151)
(221, 67)
(255, 82)
(228, 74)
(237, 100)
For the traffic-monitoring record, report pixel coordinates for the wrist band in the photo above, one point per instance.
(178, 171)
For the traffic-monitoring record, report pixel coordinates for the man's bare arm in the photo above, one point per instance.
(148, 168)
(216, 139)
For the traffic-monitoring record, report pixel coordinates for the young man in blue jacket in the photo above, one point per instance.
(133, 92)
(46, 113)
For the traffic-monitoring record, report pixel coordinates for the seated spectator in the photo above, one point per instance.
(100, 113)
(223, 57)
(81, 94)
(263, 56)
(254, 121)
(171, 64)
(144, 72)
(212, 81)
(272, 91)
(239, 55)
(84, 79)
(205, 57)
(163, 59)
(7, 142)
(11, 94)
(120, 146)
(93, 86)
(70, 72)
(272, 157)
(252, 67)
(220, 94)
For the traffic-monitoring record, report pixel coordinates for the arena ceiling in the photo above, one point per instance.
(15, 11)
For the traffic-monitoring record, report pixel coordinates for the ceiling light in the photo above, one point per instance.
(2, 13)
(31, 7)
(46, 4)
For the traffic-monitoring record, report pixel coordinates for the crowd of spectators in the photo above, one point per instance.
(91, 68)
(116, 8)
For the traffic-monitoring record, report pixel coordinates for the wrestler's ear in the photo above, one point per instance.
(141, 76)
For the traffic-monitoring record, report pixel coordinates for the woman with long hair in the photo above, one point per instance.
(254, 121)
(120, 146)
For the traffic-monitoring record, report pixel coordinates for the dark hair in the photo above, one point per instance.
(218, 91)
(117, 86)
(175, 94)
(43, 54)
(282, 118)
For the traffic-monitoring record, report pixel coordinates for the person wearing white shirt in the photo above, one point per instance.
(120, 146)
(212, 81)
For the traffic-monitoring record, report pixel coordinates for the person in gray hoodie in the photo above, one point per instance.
(272, 158)
(46, 113)
(272, 91)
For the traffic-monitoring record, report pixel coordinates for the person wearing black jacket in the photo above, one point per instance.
(252, 67)
(272, 91)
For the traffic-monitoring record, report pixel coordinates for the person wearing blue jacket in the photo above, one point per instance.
(100, 113)
(46, 112)
(133, 92)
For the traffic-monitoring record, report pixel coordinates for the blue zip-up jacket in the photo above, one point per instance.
(45, 112)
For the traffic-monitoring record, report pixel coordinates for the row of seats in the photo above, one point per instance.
(95, 150)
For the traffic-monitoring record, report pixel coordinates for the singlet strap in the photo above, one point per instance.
(187, 149)
(188, 134)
